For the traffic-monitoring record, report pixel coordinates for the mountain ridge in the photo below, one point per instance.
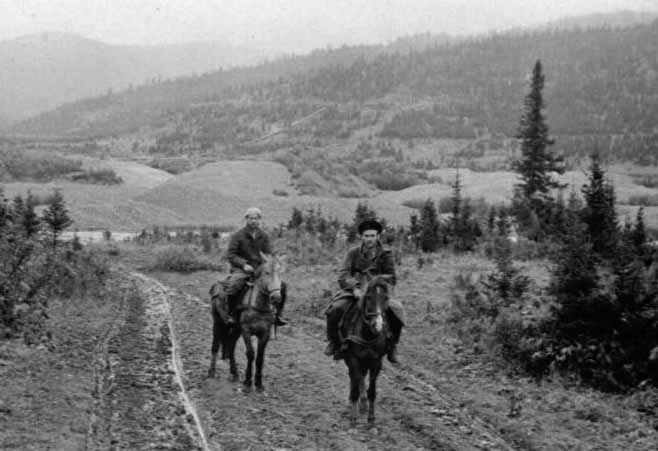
(42, 71)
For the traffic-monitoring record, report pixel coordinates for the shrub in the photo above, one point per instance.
(182, 259)
(280, 192)
(35, 165)
(35, 267)
(97, 177)
(390, 181)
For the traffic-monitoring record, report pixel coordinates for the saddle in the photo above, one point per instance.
(228, 306)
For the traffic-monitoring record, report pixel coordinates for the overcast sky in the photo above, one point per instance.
(295, 25)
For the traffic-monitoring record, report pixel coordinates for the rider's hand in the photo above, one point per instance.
(248, 268)
(357, 293)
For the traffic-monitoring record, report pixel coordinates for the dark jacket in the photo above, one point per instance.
(358, 263)
(244, 248)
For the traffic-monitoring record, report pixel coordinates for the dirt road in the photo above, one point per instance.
(304, 405)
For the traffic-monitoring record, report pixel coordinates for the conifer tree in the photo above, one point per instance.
(56, 217)
(537, 163)
(296, 219)
(30, 220)
(639, 233)
(599, 213)
(429, 227)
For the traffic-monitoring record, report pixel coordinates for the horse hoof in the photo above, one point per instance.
(260, 388)
(371, 421)
(211, 374)
(234, 377)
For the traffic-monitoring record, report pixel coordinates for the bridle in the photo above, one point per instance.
(263, 290)
(374, 318)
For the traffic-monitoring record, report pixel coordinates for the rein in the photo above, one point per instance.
(262, 291)
(363, 317)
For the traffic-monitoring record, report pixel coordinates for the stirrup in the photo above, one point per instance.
(278, 321)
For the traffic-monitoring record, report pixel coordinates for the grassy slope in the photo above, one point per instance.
(218, 193)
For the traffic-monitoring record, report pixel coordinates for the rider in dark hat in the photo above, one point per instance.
(368, 258)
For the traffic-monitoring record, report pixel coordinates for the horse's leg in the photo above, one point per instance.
(372, 389)
(246, 336)
(263, 338)
(356, 377)
(216, 339)
(363, 401)
(234, 336)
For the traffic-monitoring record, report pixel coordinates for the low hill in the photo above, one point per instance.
(220, 192)
(40, 72)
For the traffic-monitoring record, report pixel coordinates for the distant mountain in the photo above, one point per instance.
(40, 72)
(615, 19)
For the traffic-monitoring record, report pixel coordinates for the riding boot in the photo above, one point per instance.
(396, 330)
(279, 320)
(392, 354)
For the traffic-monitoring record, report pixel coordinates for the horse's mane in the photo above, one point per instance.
(258, 271)
(378, 281)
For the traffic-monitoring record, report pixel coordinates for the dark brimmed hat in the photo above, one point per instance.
(370, 224)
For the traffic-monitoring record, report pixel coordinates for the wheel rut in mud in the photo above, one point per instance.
(140, 400)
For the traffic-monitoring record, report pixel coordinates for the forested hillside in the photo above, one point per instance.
(601, 92)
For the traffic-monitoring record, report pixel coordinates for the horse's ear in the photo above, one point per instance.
(283, 259)
(388, 278)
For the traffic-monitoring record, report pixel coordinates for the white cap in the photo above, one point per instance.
(253, 211)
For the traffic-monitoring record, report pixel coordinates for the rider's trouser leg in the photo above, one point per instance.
(334, 314)
(396, 318)
(284, 296)
(236, 283)
(396, 327)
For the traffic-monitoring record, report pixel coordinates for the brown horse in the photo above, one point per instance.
(256, 319)
(364, 331)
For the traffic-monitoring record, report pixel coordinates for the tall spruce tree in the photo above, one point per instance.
(537, 164)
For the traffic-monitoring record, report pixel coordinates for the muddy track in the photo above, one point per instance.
(140, 403)
(304, 405)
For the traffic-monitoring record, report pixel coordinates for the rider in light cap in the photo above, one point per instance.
(253, 211)
(244, 255)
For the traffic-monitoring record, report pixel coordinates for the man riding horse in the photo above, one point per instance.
(368, 259)
(244, 255)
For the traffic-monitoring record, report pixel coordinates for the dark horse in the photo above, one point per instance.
(364, 333)
(257, 317)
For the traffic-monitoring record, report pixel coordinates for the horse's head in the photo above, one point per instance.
(374, 302)
(269, 276)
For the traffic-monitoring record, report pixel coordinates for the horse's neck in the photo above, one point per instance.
(255, 298)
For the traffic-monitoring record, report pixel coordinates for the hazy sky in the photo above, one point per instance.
(296, 25)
